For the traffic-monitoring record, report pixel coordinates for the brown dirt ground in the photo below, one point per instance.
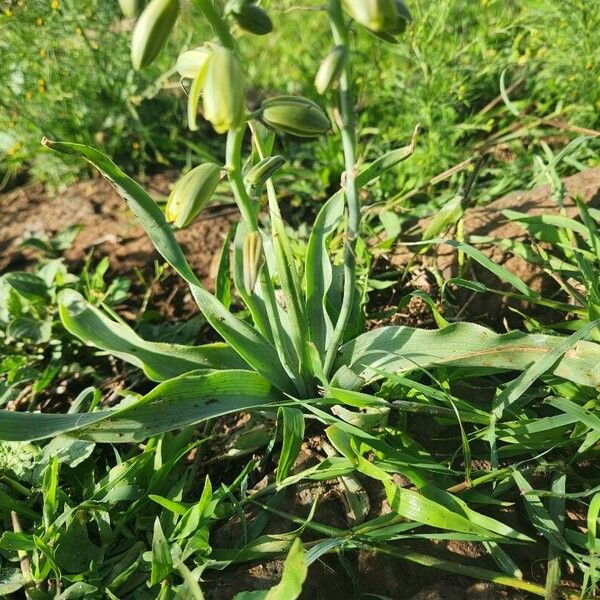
(488, 221)
(110, 231)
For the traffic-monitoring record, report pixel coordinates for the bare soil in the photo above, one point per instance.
(110, 230)
(488, 221)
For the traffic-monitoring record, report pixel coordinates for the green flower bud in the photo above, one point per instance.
(296, 115)
(254, 19)
(131, 8)
(191, 194)
(378, 16)
(331, 68)
(264, 169)
(152, 30)
(190, 62)
(201, 62)
(253, 258)
(403, 11)
(224, 104)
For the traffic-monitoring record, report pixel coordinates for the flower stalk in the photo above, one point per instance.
(347, 126)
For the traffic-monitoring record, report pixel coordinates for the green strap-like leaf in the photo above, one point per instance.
(398, 349)
(173, 404)
(250, 345)
(319, 272)
(160, 361)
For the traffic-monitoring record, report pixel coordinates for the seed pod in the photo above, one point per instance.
(253, 258)
(191, 194)
(190, 62)
(152, 30)
(296, 115)
(330, 69)
(254, 19)
(379, 16)
(131, 8)
(224, 103)
(257, 176)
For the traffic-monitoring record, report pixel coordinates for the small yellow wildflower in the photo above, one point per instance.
(135, 145)
(54, 5)
(39, 22)
(14, 149)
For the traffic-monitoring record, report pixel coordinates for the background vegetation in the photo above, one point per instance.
(68, 75)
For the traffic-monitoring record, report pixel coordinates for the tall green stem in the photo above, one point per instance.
(347, 130)
(216, 22)
(233, 164)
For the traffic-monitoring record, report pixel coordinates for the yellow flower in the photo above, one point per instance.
(13, 149)
(39, 21)
(8, 12)
(54, 5)
(135, 145)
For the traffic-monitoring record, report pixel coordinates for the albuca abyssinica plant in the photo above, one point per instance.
(293, 351)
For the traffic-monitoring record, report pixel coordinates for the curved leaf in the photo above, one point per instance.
(464, 344)
(319, 271)
(160, 361)
(173, 404)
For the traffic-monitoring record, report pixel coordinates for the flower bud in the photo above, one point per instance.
(379, 16)
(224, 104)
(152, 30)
(201, 62)
(191, 194)
(253, 258)
(330, 69)
(190, 62)
(296, 115)
(403, 11)
(257, 176)
(130, 8)
(254, 19)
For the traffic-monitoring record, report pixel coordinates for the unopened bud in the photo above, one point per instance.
(379, 16)
(191, 61)
(264, 169)
(330, 69)
(198, 64)
(152, 30)
(224, 103)
(191, 194)
(254, 19)
(296, 115)
(253, 259)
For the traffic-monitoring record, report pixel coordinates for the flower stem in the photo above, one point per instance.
(233, 165)
(347, 126)
(217, 23)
